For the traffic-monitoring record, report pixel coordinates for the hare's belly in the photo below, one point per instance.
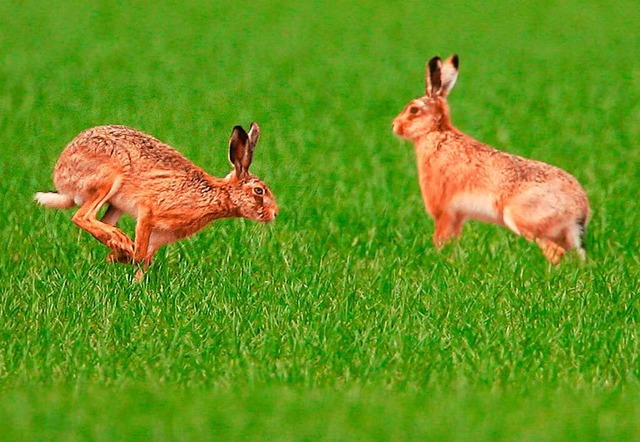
(479, 206)
(125, 203)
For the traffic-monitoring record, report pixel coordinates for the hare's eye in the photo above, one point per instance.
(414, 109)
(258, 191)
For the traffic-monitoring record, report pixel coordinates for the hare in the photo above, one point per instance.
(461, 178)
(170, 197)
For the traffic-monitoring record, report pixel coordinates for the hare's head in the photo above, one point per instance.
(249, 195)
(431, 112)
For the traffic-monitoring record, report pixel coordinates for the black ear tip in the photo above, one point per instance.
(433, 63)
(238, 131)
(455, 60)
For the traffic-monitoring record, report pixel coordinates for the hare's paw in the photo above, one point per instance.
(552, 251)
(447, 228)
(139, 275)
(115, 257)
(121, 244)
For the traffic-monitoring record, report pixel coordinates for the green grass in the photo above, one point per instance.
(340, 320)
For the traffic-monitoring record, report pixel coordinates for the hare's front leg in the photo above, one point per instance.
(149, 239)
(448, 226)
(144, 226)
(110, 236)
(144, 223)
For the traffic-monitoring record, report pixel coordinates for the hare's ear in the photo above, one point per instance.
(449, 74)
(239, 151)
(254, 135)
(432, 79)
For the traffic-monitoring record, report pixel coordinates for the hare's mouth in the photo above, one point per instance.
(270, 215)
(397, 128)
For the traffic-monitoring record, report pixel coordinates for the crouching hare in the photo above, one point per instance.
(461, 178)
(170, 197)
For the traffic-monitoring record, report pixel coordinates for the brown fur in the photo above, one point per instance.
(170, 197)
(461, 178)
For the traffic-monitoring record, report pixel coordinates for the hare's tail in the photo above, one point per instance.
(55, 200)
(581, 246)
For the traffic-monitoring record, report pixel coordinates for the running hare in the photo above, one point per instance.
(170, 197)
(461, 178)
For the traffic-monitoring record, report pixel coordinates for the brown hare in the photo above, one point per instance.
(461, 178)
(170, 197)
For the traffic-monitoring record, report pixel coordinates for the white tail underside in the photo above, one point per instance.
(54, 200)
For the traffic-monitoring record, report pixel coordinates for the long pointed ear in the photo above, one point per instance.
(238, 149)
(449, 74)
(254, 135)
(432, 77)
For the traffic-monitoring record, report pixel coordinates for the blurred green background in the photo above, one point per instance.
(340, 320)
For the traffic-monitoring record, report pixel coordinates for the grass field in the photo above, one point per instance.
(339, 321)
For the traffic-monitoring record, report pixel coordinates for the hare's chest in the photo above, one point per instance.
(431, 193)
(432, 183)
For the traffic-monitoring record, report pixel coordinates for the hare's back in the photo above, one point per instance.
(98, 154)
(128, 146)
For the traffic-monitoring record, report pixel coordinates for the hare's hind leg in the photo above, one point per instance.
(531, 232)
(110, 236)
(551, 250)
(111, 216)
(572, 238)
